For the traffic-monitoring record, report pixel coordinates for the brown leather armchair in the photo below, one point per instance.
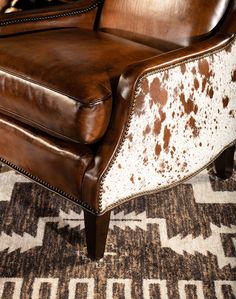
(102, 101)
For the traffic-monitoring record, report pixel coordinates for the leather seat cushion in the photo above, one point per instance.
(61, 81)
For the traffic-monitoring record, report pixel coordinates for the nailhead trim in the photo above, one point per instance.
(163, 188)
(123, 200)
(53, 16)
(126, 131)
(48, 186)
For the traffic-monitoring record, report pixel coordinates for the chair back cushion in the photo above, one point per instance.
(178, 22)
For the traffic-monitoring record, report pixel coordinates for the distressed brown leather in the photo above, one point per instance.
(79, 14)
(61, 81)
(57, 163)
(162, 24)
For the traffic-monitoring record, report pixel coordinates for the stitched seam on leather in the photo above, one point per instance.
(52, 16)
(133, 102)
(86, 105)
(29, 122)
(48, 186)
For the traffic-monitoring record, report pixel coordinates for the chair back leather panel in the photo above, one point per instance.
(176, 21)
(229, 25)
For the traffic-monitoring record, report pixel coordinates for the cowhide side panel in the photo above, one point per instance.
(182, 118)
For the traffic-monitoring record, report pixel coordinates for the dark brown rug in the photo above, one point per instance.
(177, 244)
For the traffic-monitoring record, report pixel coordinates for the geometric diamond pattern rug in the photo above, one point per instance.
(176, 244)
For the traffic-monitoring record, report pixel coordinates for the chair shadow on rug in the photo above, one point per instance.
(105, 101)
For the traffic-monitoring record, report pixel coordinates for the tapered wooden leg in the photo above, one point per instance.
(224, 164)
(96, 229)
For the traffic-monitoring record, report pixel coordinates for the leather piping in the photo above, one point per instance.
(52, 16)
(44, 86)
(42, 127)
(126, 130)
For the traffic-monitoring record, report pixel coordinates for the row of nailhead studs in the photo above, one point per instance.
(54, 16)
(48, 186)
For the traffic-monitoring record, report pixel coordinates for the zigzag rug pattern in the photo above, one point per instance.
(177, 244)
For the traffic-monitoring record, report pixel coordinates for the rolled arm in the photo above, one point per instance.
(170, 59)
(173, 115)
(79, 14)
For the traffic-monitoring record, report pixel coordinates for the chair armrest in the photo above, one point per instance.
(173, 115)
(135, 72)
(80, 14)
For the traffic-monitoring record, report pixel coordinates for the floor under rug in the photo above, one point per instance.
(178, 244)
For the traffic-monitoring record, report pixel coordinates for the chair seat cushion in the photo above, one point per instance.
(61, 81)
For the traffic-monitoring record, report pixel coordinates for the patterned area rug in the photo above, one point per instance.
(178, 244)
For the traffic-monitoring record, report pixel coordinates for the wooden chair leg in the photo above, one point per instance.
(96, 229)
(224, 164)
